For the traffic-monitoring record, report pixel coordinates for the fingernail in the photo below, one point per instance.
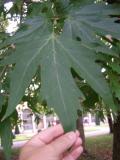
(71, 135)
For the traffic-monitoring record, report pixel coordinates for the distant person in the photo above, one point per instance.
(53, 144)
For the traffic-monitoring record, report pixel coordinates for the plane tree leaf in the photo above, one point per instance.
(56, 55)
(40, 48)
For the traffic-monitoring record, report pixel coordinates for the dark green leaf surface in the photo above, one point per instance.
(38, 46)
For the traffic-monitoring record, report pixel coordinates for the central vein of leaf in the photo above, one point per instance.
(57, 76)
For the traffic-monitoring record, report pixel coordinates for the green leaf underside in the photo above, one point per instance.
(88, 21)
(56, 55)
(6, 137)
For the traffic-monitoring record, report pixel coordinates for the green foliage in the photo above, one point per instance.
(113, 71)
(54, 38)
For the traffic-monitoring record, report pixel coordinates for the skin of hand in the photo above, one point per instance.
(53, 144)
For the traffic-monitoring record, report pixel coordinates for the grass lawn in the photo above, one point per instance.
(22, 137)
(99, 148)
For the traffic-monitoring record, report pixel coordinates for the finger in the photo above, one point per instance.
(77, 133)
(68, 157)
(74, 154)
(77, 152)
(77, 143)
(64, 142)
(48, 135)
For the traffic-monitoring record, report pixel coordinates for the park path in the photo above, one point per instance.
(97, 132)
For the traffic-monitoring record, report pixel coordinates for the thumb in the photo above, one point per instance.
(63, 143)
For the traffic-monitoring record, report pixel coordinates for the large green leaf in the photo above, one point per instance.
(88, 21)
(56, 55)
(6, 137)
(56, 84)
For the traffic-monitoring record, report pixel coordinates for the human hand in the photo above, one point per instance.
(53, 144)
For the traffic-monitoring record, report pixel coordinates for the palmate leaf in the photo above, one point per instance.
(39, 47)
(88, 21)
(56, 55)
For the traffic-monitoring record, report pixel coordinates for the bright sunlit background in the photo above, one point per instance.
(12, 23)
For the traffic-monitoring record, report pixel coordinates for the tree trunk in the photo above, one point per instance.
(116, 139)
(17, 130)
(110, 122)
(80, 128)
